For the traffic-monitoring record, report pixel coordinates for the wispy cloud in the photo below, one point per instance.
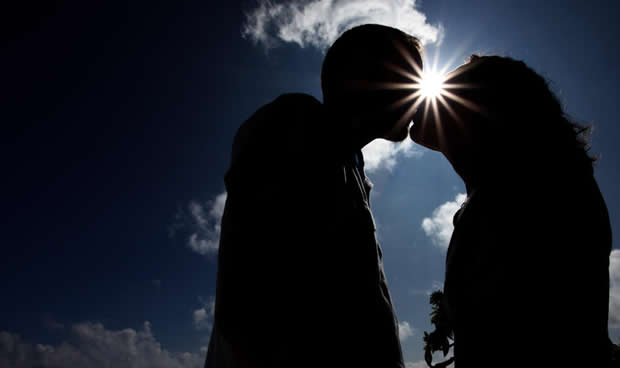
(614, 290)
(204, 224)
(439, 226)
(383, 154)
(203, 317)
(405, 330)
(91, 345)
(318, 23)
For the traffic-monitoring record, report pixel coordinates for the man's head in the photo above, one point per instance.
(359, 76)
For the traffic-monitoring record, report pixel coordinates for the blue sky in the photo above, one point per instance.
(118, 123)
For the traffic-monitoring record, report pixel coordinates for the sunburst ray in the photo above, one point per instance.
(432, 90)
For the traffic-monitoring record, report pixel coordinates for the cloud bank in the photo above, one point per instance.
(94, 346)
(439, 226)
(405, 330)
(317, 23)
(206, 224)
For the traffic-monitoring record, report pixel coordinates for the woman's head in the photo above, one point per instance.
(498, 115)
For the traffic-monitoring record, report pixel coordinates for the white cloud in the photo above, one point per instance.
(94, 346)
(439, 226)
(435, 285)
(614, 290)
(206, 224)
(203, 317)
(318, 23)
(383, 154)
(405, 330)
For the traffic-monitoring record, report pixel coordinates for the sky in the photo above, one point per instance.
(117, 125)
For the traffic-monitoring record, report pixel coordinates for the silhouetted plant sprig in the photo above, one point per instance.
(440, 339)
(615, 355)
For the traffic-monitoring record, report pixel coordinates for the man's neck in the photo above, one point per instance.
(347, 131)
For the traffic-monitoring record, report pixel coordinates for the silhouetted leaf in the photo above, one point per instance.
(438, 340)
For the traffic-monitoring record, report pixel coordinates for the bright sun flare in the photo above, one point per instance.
(431, 84)
(430, 87)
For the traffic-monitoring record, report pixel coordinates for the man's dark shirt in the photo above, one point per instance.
(300, 274)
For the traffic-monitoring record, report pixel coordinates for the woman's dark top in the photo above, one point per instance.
(527, 280)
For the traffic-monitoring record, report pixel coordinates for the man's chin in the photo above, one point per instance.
(395, 139)
(416, 136)
(397, 136)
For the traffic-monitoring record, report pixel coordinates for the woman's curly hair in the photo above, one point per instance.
(523, 121)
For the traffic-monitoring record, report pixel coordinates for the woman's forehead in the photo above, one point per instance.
(461, 71)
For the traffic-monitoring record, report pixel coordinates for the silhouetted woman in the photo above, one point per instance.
(527, 280)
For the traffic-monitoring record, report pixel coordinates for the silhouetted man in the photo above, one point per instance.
(300, 275)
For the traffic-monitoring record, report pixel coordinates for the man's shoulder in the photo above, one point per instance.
(286, 108)
(297, 99)
(293, 103)
(279, 128)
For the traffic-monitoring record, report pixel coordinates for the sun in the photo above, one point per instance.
(431, 84)
(429, 88)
